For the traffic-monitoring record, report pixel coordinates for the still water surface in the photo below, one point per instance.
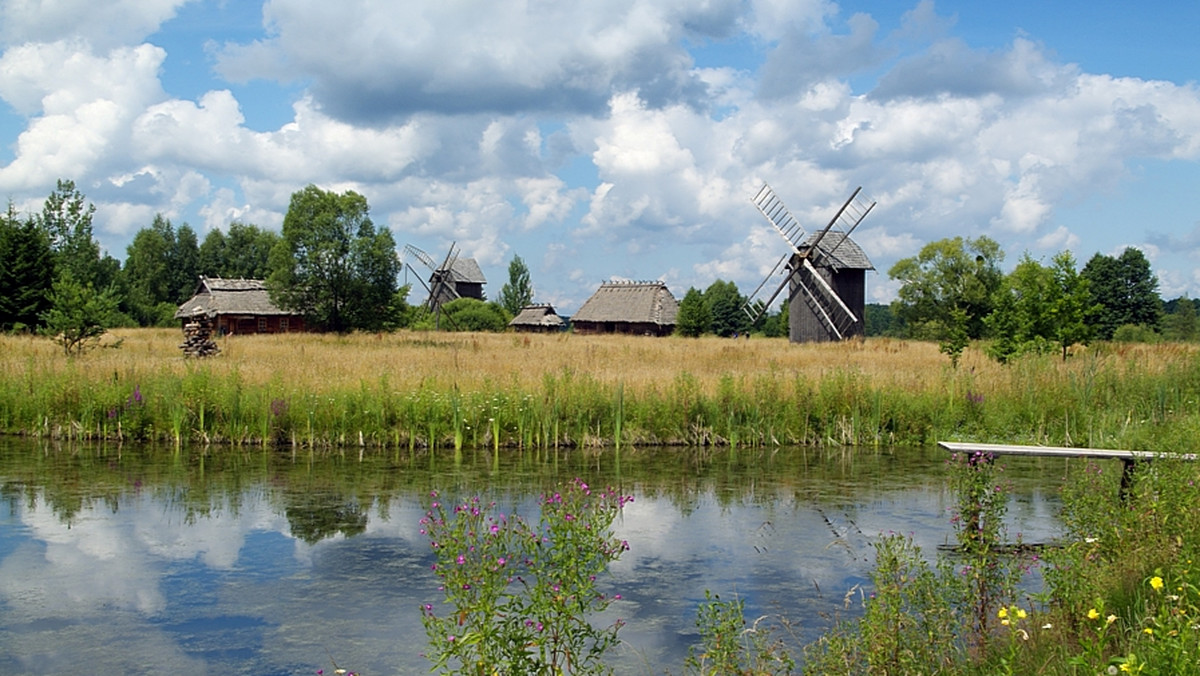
(138, 560)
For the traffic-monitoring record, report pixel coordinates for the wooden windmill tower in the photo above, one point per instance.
(825, 272)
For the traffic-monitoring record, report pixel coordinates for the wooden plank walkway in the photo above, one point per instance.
(1061, 451)
(1129, 458)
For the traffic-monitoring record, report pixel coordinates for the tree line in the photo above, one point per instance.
(332, 264)
(329, 262)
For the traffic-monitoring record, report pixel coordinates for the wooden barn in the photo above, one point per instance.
(463, 279)
(637, 308)
(815, 315)
(537, 319)
(238, 306)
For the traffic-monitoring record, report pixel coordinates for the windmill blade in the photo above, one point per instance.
(773, 209)
(426, 260)
(816, 303)
(851, 215)
(828, 289)
(754, 309)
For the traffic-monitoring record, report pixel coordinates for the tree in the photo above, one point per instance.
(1125, 290)
(1180, 323)
(27, 272)
(693, 318)
(947, 274)
(67, 222)
(1072, 310)
(242, 254)
(724, 303)
(331, 263)
(518, 292)
(78, 315)
(1038, 307)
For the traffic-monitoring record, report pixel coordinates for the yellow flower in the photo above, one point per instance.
(1126, 668)
(1003, 613)
(1109, 620)
(1021, 613)
(1149, 631)
(1092, 614)
(1156, 582)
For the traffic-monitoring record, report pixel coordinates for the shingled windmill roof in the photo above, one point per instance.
(840, 252)
(466, 270)
(217, 296)
(635, 302)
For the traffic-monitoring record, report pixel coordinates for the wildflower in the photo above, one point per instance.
(1156, 583)
(1148, 631)
(1047, 626)
(1093, 614)
(1110, 619)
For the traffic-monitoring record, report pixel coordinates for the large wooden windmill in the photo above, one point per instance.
(825, 272)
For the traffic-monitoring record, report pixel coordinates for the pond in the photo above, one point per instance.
(138, 559)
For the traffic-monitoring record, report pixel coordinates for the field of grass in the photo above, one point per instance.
(417, 389)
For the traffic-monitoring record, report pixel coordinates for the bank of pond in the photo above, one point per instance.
(838, 560)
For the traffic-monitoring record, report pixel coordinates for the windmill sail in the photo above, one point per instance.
(813, 269)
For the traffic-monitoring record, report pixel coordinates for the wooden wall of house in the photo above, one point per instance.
(241, 325)
(628, 328)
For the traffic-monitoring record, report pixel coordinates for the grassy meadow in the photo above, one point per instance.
(422, 389)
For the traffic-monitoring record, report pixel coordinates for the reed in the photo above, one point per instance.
(421, 390)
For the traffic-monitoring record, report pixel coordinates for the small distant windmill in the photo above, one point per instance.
(440, 287)
(825, 271)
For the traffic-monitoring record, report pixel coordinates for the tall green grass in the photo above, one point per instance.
(1149, 401)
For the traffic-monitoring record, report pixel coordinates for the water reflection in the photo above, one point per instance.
(262, 562)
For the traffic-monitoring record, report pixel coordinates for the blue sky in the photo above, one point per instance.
(621, 139)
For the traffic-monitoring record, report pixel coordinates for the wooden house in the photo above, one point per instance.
(537, 319)
(638, 308)
(238, 306)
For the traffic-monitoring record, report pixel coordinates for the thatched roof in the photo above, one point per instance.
(839, 251)
(542, 316)
(633, 302)
(217, 296)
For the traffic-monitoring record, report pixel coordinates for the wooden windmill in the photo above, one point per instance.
(440, 287)
(825, 272)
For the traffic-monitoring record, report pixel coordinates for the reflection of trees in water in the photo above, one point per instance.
(316, 517)
(325, 493)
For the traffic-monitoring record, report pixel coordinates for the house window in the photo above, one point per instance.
(283, 324)
(262, 324)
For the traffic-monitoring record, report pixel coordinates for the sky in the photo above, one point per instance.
(621, 139)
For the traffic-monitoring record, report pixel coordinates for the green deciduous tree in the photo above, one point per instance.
(725, 303)
(1125, 290)
(26, 272)
(332, 264)
(78, 315)
(947, 274)
(693, 318)
(1180, 323)
(518, 292)
(67, 221)
(243, 253)
(1039, 307)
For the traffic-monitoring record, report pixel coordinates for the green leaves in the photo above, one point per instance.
(332, 265)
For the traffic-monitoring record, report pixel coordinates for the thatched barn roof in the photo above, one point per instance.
(217, 296)
(541, 317)
(839, 251)
(630, 302)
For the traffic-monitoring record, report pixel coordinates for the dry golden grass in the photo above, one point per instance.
(479, 361)
(483, 361)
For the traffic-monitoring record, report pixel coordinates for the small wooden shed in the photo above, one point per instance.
(637, 308)
(537, 319)
(238, 306)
